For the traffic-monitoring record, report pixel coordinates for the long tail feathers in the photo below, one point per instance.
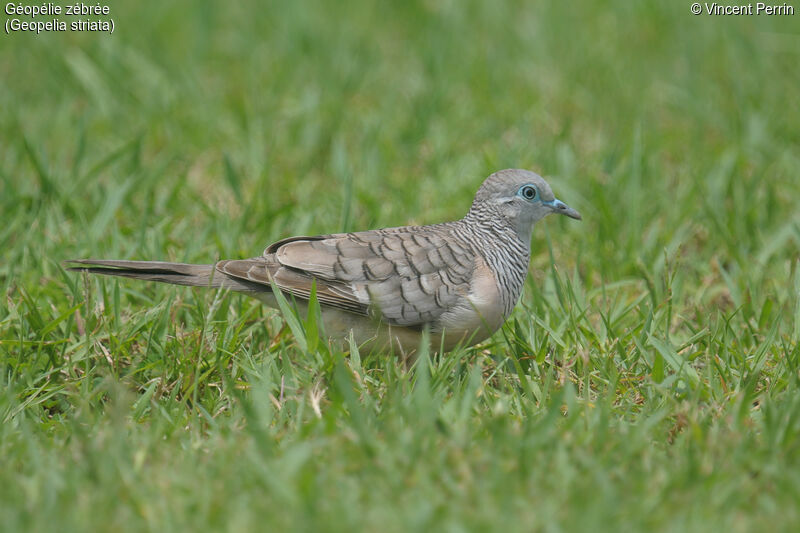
(164, 272)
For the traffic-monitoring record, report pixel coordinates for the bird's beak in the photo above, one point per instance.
(563, 209)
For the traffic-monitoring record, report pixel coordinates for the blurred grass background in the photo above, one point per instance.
(648, 380)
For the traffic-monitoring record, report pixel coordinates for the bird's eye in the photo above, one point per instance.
(528, 192)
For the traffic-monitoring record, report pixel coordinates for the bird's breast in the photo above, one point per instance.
(480, 313)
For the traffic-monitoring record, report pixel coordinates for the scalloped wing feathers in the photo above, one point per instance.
(408, 276)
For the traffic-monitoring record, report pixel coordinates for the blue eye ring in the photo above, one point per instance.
(528, 192)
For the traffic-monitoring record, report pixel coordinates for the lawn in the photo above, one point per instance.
(649, 379)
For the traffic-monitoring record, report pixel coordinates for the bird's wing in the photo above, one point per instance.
(408, 276)
(265, 271)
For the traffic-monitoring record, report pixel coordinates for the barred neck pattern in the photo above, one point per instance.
(506, 254)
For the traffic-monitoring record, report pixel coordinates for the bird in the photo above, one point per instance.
(457, 280)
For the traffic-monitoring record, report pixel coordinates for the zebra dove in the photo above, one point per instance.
(459, 280)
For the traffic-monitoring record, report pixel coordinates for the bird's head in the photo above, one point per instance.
(521, 197)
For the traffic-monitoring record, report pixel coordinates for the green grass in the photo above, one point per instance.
(648, 380)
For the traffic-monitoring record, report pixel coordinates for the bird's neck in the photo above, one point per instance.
(489, 220)
(506, 252)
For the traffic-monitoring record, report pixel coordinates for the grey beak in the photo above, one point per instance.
(563, 209)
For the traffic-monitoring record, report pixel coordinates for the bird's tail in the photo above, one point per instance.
(164, 272)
